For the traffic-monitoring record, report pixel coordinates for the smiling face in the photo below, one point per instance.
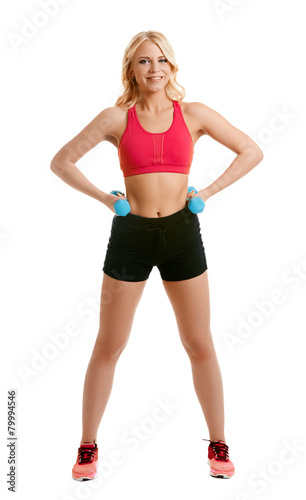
(149, 62)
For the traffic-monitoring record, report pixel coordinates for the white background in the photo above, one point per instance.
(245, 59)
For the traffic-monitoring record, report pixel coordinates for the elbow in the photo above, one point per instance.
(257, 152)
(54, 165)
(58, 166)
(260, 154)
(253, 152)
(257, 156)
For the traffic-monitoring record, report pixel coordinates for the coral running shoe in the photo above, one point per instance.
(219, 461)
(85, 467)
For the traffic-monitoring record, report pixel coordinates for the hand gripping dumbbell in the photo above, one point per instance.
(196, 204)
(122, 207)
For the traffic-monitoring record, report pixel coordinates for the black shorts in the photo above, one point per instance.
(172, 243)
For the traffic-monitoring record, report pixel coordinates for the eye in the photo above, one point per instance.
(161, 60)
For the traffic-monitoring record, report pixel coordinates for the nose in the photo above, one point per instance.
(154, 67)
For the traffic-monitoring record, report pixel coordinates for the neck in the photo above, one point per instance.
(154, 102)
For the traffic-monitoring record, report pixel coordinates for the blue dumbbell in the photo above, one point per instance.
(122, 207)
(196, 204)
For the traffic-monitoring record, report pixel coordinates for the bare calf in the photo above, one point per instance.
(119, 301)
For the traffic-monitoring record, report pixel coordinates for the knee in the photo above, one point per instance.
(200, 348)
(108, 351)
(112, 354)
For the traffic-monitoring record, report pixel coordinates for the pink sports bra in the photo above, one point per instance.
(142, 152)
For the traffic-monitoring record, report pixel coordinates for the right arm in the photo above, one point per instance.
(63, 163)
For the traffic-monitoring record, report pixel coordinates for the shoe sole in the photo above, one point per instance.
(220, 475)
(85, 478)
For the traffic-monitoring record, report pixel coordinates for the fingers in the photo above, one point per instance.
(190, 193)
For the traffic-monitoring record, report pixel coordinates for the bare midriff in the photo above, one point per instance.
(157, 194)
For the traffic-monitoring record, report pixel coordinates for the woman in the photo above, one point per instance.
(155, 133)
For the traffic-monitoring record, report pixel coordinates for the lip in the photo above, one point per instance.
(150, 77)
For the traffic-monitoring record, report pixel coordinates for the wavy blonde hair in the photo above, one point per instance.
(130, 93)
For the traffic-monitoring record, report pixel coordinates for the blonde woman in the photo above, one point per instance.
(155, 132)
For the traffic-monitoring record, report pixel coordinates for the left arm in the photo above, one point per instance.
(248, 153)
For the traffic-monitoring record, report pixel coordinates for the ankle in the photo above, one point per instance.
(86, 441)
(218, 438)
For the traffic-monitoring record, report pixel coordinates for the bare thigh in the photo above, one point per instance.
(191, 305)
(119, 300)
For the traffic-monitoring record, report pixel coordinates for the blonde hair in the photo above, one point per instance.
(130, 93)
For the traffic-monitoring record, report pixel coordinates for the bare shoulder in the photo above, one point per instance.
(110, 118)
(116, 112)
(195, 112)
(199, 113)
(106, 124)
(191, 106)
(118, 117)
